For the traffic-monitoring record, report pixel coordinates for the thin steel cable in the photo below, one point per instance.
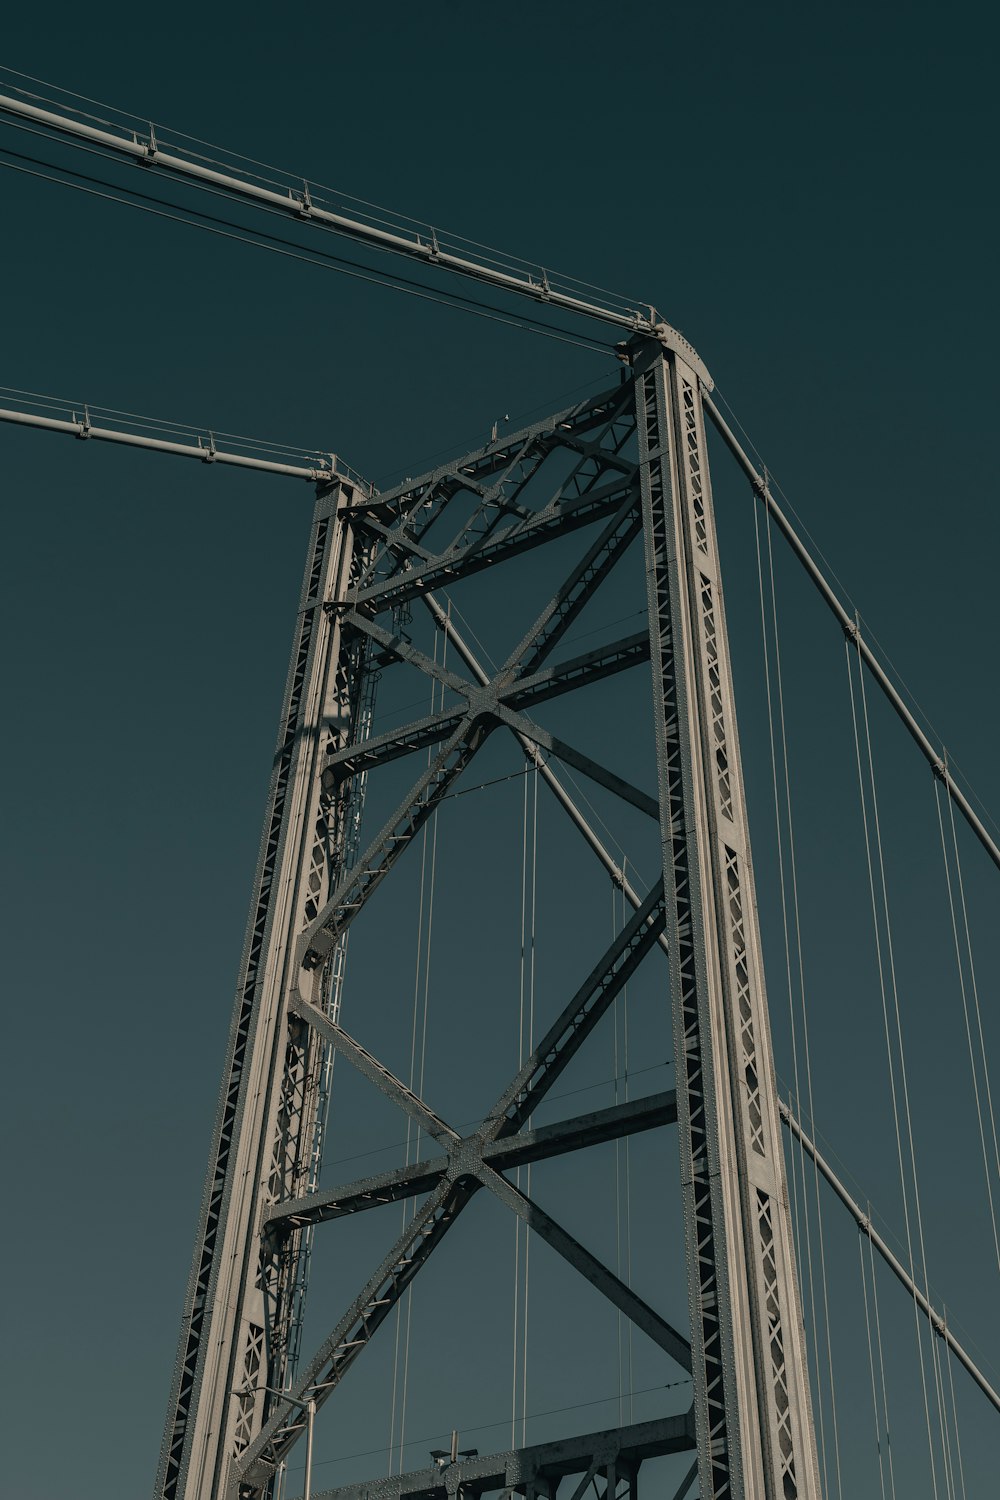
(515, 1366)
(871, 1367)
(917, 1321)
(881, 1362)
(975, 984)
(615, 1066)
(794, 1146)
(642, 886)
(918, 1211)
(274, 243)
(586, 1088)
(472, 1427)
(870, 635)
(162, 424)
(135, 123)
(628, 1160)
(946, 1461)
(968, 1028)
(104, 153)
(225, 157)
(793, 872)
(531, 1043)
(408, 1208)
(880, 1220)
(779, 840)
(623, 1192)
(432, 885)
(954, 1413)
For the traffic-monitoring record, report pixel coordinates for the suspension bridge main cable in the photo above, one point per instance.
(863, 1220)
(138, 129)
(934, 758)
(23, 108)
(229, 229)
(304, 205)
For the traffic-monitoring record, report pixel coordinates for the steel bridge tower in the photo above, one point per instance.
(637, 475)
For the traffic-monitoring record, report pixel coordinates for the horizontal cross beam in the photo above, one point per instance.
(522, 452)
(517, 1468)
(544, 1141)
(542, 527)
(550, 682)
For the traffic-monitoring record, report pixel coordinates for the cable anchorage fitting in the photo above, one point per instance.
(84, 425)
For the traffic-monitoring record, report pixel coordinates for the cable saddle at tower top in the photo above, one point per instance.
(297, 199)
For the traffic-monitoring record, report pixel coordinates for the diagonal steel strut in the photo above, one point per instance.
(465, 1175)
(535, 759)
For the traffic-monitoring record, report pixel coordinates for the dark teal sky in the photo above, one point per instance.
(808, 195)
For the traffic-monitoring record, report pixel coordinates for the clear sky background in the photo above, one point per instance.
(809, 196)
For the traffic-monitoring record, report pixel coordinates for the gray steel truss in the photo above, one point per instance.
(607, 1461)
(751, 1388)
(631, 462)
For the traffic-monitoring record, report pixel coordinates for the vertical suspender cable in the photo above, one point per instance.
(891, 1066)
(618, 1184)
(954, 1414)
(417, 1072)
(628, 1170)
(987, 1164)
(763, 494)
(531, 1042)
(423, 1052)
(788, 980)
(405, 1209)
(522, 986)
(871, 1367)
(918, 1212)
(972, 976)
(881, 1358)
(793, 870)
(623, 1191)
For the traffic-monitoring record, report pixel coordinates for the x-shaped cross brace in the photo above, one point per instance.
(466, 1167)
(485, 708)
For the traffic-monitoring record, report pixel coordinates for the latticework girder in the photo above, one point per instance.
(630, 462)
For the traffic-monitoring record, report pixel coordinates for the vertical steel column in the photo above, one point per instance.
(752, 1407)
(235, 1329)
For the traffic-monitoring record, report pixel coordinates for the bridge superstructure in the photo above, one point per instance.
(629, 470)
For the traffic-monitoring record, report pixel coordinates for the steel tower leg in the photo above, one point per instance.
(752, 1408)
(240, 1297)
